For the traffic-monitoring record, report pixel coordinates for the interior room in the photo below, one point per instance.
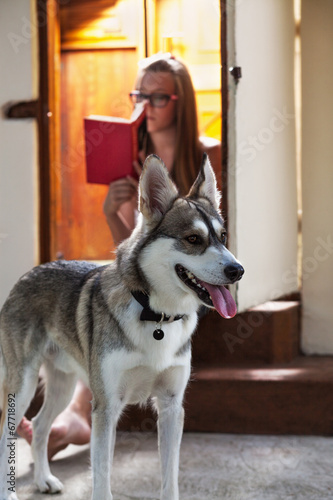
(260, 401)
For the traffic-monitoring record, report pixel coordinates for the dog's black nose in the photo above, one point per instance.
(234, 272)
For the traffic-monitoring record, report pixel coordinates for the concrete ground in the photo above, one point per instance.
(213, 467)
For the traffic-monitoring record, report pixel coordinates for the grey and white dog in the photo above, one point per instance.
(125, 328)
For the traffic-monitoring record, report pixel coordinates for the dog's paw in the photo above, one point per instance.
(49, 484)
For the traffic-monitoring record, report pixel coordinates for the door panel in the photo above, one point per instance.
(262, 156)
(92, 82)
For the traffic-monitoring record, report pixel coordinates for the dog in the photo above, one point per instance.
(125, 328)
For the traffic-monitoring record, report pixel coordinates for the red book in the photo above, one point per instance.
(112, 144)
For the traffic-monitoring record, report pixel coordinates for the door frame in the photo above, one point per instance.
(48, 122)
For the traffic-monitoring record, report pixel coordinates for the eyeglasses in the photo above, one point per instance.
(156, 99)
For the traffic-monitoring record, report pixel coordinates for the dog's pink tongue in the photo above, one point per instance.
(222, 300)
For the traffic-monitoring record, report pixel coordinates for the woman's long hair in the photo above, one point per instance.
(187, 149)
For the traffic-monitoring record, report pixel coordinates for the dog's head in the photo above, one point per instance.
(184, 257)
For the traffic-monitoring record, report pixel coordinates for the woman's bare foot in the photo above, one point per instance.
(72, 426)
(68, 428)
(25, 429)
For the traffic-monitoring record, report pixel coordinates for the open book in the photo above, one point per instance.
(112, 144)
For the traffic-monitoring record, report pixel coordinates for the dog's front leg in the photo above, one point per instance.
(169, 404)
(103, 436)
(170, 429)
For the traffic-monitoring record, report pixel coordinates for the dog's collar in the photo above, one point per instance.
(147, 314)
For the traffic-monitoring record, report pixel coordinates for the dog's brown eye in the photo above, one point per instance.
(224, 238)
(194, 239)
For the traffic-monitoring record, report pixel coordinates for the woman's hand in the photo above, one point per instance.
(120, 192)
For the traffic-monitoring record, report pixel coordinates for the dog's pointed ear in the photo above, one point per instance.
(205, 184)
(156, 189)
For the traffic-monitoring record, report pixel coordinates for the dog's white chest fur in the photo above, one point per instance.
(139, 373)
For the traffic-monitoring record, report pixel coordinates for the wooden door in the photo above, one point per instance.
(101, 42)
(92, 82)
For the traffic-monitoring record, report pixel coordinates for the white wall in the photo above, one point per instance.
(317, 160)
(262, 169)
(18, 146)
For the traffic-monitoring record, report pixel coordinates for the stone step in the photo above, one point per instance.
(269, 333)
(294, 398)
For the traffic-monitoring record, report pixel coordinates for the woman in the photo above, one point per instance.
(165, 88)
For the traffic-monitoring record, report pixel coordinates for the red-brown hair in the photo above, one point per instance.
(187, 148)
